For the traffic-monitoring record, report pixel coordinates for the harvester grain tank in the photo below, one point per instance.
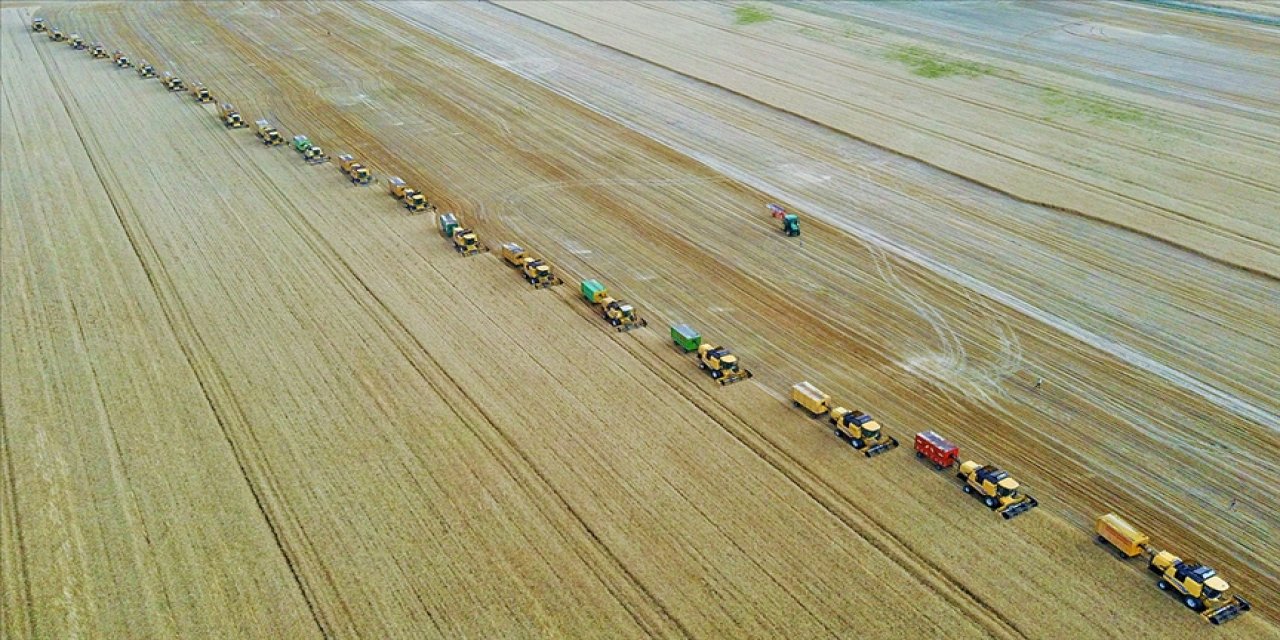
(1197, 586)
(38, 25)
(313, 154)
(355, 171)
(996, 489)
(75, 41)
(721, 364)
(861, 431)
(230, 118)
(96, 50)
(937, 450)
(145, 70)
(412, 200)
(808, 397)
(172, 82)
(685, 338)
(200, 93)
(269, 135)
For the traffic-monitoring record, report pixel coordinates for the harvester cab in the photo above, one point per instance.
(720, 364)
(861, 431)
(996, 488)
(230, 117)
(200, 93)
(97, 50)
(269, 135)
(38, 25)
(75, 41)
(172, 82)
(1199, 587)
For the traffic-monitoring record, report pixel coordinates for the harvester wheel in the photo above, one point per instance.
(1193, 604)
(1163, 586)
(968, 489)
(919, 454)
(990, 502)
(857, 443)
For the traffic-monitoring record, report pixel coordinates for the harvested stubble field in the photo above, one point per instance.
(243, 398)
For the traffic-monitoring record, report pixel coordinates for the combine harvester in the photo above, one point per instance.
(355, 171)
(96, 50)
(855, 427)
(230, 117)
(38, 25)
(718, 362)
(996, 489)
(200, 93)
(313, 154)
(618, 314)
(172, 82)
(55, 34)
(269, 135)
(535, 271)
(75, 41)
(145, 70)
(410, 197)
(465, 241)
(1197, 586)
(121, 59)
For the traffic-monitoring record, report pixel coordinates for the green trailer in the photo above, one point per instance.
(685, 337)
(593, 291)
(301, 144)
(448, 222)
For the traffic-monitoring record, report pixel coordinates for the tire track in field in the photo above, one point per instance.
(178, 318)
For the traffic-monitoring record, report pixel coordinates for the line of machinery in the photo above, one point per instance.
(1197, 586)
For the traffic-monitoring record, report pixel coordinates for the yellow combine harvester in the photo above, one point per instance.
(410, 197)
(200, 93)
(121, 59)
(618, 314)
(145, 70)
(230, 117)
(172, 82)
(861, 432)
(720, 364)
(96, 50)
(355, 171)
(996, 489)
(56, 35)
(38, 25)
(535, 271)
(1199, 587)
(465, 241)
(75, 41)
(269, 135)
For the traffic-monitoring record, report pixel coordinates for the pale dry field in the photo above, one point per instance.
(243, 398)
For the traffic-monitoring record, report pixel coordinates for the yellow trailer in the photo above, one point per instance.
(1117, 532)
(809, 398)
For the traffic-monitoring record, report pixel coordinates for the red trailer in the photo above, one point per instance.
(936, 449)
